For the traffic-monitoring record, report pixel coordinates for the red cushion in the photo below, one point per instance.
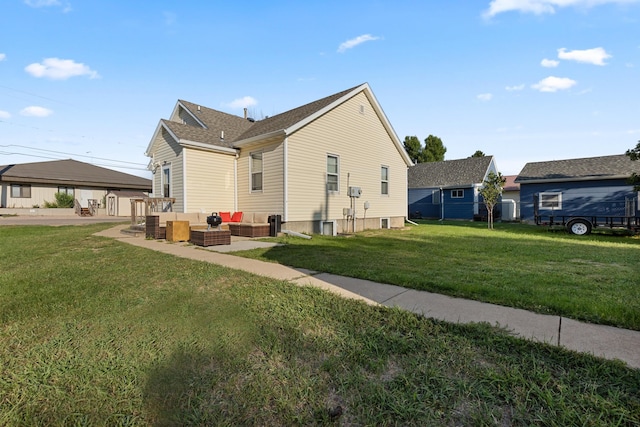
(226, 216)
(236, 217)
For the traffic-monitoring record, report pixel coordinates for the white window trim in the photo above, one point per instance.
(337, 190)
(550, 193)
(388, 223)
(251, 190)
(382, 180)
(456, 191)
(166, 168)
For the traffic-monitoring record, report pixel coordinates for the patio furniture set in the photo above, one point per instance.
(193, 227)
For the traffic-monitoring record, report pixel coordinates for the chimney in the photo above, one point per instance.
(245, 112)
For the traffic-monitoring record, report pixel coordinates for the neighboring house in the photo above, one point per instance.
(30, 185)
(298, 164)
(510, 198)
(595, 186)
(449, 189)
(118, 202)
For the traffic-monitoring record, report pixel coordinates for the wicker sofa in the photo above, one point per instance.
(254, 224)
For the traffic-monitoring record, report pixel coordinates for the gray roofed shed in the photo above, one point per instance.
(449, 173)
(585, 169)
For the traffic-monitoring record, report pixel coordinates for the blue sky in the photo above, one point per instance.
(523, 80)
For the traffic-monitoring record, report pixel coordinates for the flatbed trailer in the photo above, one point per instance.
(582, 225)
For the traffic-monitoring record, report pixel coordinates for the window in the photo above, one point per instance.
(385, 223)
(550, 201)
(66, 190)
(333, 168)
(256, 171)
(21, 191)
(166, 182)
(384, 180)
(457, 194)
(435, 197)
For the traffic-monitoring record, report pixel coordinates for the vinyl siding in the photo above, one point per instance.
(210, 181)
(587, 198)
(167, 149)
(271, 198)
(363, 145)
(41, 193)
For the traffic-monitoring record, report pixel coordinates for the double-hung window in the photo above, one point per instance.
(550, 201)
(333, 171)
(256, 171)
(21, 191)
(384, 180)
(457, 194)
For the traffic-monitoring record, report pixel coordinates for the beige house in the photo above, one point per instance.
(30, 185)
(330, 166)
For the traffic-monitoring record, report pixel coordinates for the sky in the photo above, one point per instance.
(522, 80)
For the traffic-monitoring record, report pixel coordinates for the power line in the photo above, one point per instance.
(57, 158)
(72, 154)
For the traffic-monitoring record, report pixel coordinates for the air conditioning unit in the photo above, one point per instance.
(355, 191)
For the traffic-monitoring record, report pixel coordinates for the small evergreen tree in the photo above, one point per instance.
(491, 191)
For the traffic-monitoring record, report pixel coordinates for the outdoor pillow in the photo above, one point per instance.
(226, 216)
(236, 217)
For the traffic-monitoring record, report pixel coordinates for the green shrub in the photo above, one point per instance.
(63, 200)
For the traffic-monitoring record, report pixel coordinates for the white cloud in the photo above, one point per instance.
(549, 63)
(4, 115)
(554, 84)
(514, 88)
(3, 56)
(485, 96)
(539, 7)
(60, 69)
(355, 42)
(244, 102)
(595, 56)
(41, 3)
(35, 111)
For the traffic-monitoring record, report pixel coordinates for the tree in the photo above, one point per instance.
(413, 147)
(433, 149)
(478, 153)
(490, 192)
(634, 179)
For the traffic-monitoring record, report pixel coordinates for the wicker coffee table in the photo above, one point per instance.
(204, 237)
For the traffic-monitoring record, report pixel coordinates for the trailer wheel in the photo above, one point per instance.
(579, 227)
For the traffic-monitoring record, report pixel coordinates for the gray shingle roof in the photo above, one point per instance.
(606, 167)
(72, 172)
(217, 121)
(449, 173)
(238, 128)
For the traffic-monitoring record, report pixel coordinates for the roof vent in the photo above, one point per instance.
(251, 119)
(198, 108)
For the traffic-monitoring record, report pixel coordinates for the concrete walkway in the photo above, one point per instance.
(599, 340)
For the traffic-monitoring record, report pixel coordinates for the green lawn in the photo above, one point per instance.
(591, 278)
(98, 332)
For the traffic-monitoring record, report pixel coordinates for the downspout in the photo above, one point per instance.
(235, 183)
(441, 204)
(184, 181)
(285, 184)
